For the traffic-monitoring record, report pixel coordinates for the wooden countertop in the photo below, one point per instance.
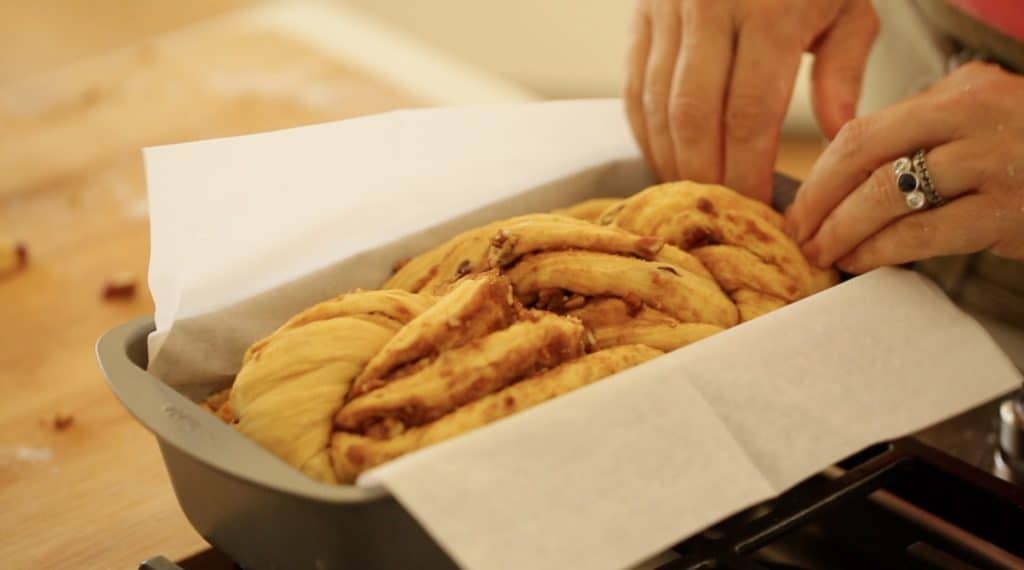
(93, 493)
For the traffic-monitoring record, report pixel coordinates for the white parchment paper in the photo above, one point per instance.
(248, 230)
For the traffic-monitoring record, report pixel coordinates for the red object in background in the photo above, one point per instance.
(1007, 16)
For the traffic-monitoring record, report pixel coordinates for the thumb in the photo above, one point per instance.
(839, 61)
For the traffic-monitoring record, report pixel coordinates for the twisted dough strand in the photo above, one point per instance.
(690, 215)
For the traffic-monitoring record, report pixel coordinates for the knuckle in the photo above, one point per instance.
(968, 69)
(986, 78)
(948, 102)
(1002, 90)
(664, 8)
(852, 137)
(852, 262)
(774, 24)
(640, 9)
(705, 10)
(771, 11)
(979, 69)
(686, 110)
(651, 104)
(655, 93)
(975, 104)
(1004, 197)
(702, 6)
(746, 119)
(634, 90)
(785, 38)
(881, 192)
(957, 99)
(829, 235)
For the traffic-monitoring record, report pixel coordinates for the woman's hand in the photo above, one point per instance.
(850, 212)
(709, 81)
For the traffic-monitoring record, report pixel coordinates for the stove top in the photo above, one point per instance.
(934, 500)
(898, 505)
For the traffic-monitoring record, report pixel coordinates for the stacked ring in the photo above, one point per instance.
(908, 180)
(933, 197)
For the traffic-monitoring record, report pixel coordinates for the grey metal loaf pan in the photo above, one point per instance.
(249, 504)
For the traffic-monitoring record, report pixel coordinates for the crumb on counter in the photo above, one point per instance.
(62, 422)
(121, 285)
(13, 255)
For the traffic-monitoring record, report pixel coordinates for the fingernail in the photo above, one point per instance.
(847, 265)
(793, 222)
(789, 226)
(811, 251)
(847, 112)
(802, 235)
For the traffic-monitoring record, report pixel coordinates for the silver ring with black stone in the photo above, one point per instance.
(908, 180)
(921, 167)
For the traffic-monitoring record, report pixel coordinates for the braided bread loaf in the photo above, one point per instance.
(509, 315)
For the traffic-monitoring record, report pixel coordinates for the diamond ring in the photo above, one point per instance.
(909, 181)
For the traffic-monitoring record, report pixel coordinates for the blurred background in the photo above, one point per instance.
(85, 84)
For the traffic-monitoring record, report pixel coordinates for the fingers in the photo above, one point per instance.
(839, 62)
(698, 90)
(763, 73)
(965, 225)
(636, 66)
(955, 168)
(862, 146)
(661, 62)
